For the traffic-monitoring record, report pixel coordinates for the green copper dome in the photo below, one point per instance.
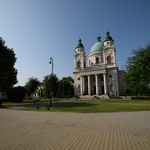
(98, 46)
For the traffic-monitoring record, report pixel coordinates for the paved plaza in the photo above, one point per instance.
(35, 130)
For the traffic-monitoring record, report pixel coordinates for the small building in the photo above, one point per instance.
(101, 75)
(39, 91)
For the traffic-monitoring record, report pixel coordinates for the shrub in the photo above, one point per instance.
(16, 94)
(141, 98)
(29, 98)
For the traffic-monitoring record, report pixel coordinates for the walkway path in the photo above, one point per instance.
(74, 131)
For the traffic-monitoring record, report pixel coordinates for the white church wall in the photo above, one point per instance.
(112, 78)
(77, 82)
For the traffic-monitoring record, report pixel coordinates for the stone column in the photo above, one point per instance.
(82, 62)
(81, 85)
(114, 56)
(104, 58)
(89, 86)
(105, 84)
(96, 81)
(75, 65)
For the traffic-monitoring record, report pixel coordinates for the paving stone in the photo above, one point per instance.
(74, 131)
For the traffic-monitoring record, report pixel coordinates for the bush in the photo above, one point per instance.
(1, 102)
(16, 94)
(29, 98)
(141, 98)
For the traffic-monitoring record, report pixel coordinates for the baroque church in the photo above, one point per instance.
(101, 75)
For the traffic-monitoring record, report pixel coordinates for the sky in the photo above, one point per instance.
(40, 29)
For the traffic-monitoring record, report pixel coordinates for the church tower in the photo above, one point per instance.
(79, 57)
(109, 50)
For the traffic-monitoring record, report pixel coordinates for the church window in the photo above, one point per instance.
(84, 65)
(101, 78)
(79, 87)
(110, 76)
(78, 64)
(79, 78)
(89, 62)
(108, 60)
(107, 42)
(97, 60)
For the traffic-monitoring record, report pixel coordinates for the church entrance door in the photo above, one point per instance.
(102, 89)
(94, 89)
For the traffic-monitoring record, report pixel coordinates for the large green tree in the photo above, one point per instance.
(47, 85)
(31, 85)
(8, 74)
(66, 87)
(137, 76)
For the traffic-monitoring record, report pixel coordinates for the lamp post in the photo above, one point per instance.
(51, 62)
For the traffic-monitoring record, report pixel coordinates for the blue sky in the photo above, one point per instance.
(40, 29)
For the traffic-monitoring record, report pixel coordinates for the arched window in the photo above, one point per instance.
(108, 60)
(97, 60)
(78, 64)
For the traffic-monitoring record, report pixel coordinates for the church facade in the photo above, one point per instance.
(101, 75)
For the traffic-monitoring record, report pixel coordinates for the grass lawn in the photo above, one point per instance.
(99, 105)
(28, 102)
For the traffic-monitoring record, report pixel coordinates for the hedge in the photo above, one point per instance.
(141, 98)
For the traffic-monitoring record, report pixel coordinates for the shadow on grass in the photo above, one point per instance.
(74, 104)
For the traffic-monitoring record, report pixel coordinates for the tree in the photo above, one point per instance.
(47, 85)
(8, 74)
(66, 87)
(137, 76)
(31, 85)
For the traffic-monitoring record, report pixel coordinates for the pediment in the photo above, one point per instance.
(93, 68)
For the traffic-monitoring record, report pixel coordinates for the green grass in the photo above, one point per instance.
(99, 105)
(28, 102)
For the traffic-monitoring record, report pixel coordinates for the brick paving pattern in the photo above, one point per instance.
(23, 130)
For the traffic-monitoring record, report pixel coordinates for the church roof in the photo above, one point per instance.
(108, 37)
(98, 46)
(80, 44)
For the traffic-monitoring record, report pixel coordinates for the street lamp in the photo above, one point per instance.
(51, 62)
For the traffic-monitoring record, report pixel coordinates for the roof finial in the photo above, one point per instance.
(80, 40)
(107, 32)
(98, 39)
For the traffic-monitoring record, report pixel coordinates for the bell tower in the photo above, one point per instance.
(79, 57)
(109, 50)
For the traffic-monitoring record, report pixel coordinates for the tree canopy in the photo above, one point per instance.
(66, 87)
(47, 85)
(31, 85)
(8, 74)
(137, 76)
